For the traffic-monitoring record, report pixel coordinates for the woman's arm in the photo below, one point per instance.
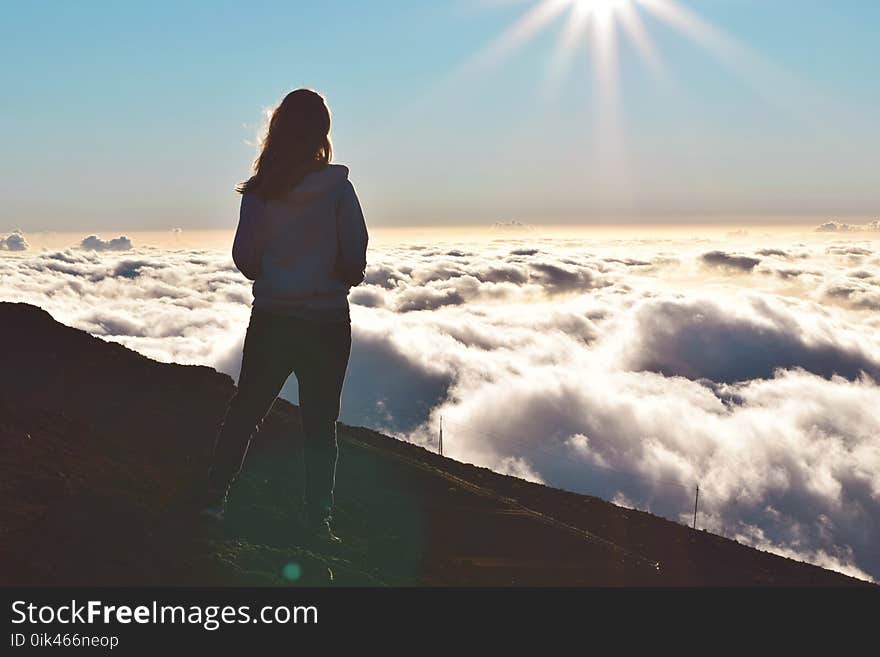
(352, 237)
(250, 237)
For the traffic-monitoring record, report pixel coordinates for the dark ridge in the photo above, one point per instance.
(102, 450)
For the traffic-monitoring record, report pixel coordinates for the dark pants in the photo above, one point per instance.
(275, 346)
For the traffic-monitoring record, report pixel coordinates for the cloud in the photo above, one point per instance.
(431, 297)
(367, 296)
(132, 268)
(616, 368)
(751, 339)
(838, 227)
(563, 278)
(630, 262)
(855, 294)
(782, 253)
(182, 306)
(789, 273)
(728, 261)
(512, 226)
(95, 243)
(14, 242)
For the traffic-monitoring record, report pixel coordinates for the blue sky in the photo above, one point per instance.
(138, 115)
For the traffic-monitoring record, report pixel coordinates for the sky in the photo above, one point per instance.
(143, 115)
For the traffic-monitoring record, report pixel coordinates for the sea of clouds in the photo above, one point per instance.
(631, 369)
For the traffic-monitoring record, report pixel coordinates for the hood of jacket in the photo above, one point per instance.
(317, 184)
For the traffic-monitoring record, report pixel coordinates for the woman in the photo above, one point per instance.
(302, 239)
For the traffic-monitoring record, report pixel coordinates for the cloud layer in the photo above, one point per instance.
(630, 369)
(95, 243)
(840, 227)
(14, 242)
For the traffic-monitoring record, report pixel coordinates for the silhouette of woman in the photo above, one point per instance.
(302, 239)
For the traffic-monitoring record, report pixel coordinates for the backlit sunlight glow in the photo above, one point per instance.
(596, 26)
(599, 21)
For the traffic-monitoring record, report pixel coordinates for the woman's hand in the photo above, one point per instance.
(351, 277)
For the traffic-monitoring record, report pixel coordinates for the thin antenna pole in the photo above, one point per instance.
(696, 502)
(441, 435)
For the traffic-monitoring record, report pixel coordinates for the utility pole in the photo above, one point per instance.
(696, 502)
(441, 435)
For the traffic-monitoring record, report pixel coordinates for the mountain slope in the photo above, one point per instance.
(102, 449)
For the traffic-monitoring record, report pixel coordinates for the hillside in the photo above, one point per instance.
(101, 449)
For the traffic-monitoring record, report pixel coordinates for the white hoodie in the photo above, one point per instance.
(305, 250)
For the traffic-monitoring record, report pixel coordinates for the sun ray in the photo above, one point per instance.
(596, 26)
(572, 35)
(609, 137)
(776, 86)
(521, 32)
(692, 26)
(606, 17)
(604, 42)
(635, 30)
(599, 25)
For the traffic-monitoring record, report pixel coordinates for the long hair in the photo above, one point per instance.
(296, 144)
